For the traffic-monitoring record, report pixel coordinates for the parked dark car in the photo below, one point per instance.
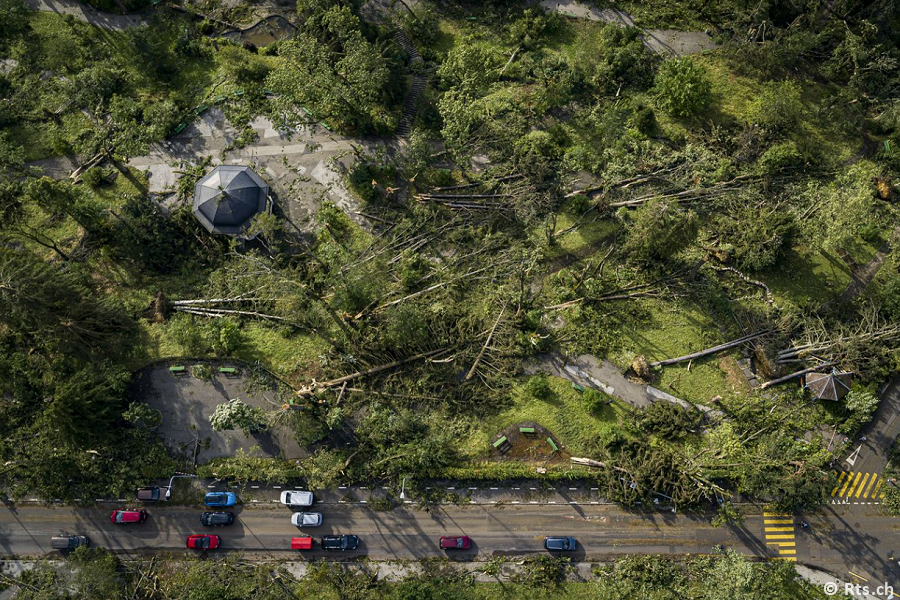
(150, 494)
(216, 519)
(69, 542)
(128, 516)
(460, 542)
(203, 542)
(560, 544)
(340, 542)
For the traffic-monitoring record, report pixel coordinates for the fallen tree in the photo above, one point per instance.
(712, 350)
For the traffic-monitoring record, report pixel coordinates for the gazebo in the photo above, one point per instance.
(227, 199)
(829, 386)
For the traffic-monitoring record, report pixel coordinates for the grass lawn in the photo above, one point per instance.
(806, 278)
(674, 329)
(565, 415)
(583, 238)
(294, 357)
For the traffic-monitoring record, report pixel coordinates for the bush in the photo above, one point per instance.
(781, 156)
(644, 120)
(92, 177)
(683, 87)
(223, 336)
(623, 60)
(237, 414)
(658, 230)
(538, 386)
(777, 107)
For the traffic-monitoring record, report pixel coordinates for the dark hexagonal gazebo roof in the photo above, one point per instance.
(227, 199)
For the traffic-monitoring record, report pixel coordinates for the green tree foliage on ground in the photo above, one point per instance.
(336, 70)
(97, 574)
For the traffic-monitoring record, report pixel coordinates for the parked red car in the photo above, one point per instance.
(126, 516)
(461, 542)
(203, 542)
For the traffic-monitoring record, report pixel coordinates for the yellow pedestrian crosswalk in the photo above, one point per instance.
(857, 486)
(779, 532)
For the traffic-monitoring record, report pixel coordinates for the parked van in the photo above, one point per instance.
(69, 542)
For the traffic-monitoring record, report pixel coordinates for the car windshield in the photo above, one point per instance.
(120, 517)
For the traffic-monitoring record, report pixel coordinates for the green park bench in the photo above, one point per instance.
(500, 442)
(228, 370)
(577, 388)
(553, 444)
(177, 369)
(526, 430)
(180, 127)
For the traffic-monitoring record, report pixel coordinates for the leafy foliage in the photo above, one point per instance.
(682, 87)
(237, 414)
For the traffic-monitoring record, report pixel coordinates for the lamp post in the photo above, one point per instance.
(174, 477)
(403, 490)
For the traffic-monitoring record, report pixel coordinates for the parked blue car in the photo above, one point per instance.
(220, 499)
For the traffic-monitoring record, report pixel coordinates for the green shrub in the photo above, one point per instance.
(621, 59)
(683, 87)
(538, 386)
(777, 106)
(644, 120)
(658, 230)
(237, 414)
(784, 155)
(92, 177)
(188, 334)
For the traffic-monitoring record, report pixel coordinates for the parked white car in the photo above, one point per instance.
(305, 519)
(297, 498)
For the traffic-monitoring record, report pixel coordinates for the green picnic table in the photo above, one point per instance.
(526, 430)
(177, 369)
(228, 370)
(553, 444)
(500, 442)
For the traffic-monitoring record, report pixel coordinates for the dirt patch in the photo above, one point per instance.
(529, 447)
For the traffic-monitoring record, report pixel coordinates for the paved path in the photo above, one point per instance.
(589, 371)
(660, 41)
(864, 274)
(88, 14)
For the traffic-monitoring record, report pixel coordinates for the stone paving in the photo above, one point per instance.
(302, 167)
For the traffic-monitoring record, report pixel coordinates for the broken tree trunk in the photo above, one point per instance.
(308, 391)
(713, 350)
(793, 375)
(485, 347)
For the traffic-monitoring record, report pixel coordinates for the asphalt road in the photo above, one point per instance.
(845, 540)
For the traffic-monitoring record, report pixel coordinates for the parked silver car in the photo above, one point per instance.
(306, 519)
(297, 498)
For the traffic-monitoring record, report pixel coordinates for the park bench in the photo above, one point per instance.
(178, 370)
(553, 444)
(526, 430)
(228, 370)
(577, 388)
(502, 445)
